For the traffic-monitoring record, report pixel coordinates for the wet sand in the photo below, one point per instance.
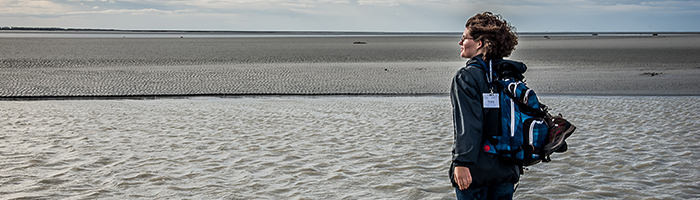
(612, 65)
(119, 67)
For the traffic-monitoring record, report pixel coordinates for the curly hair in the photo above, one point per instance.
(498, 36)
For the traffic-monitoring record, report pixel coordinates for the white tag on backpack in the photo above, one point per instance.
(491, 100)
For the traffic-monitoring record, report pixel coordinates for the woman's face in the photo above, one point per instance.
(469, 47)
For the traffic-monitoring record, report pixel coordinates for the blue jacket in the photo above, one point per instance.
(472, 122)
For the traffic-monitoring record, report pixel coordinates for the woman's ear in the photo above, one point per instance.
(481, 44)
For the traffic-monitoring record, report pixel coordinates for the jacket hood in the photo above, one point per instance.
(503, 68)
(518, 67)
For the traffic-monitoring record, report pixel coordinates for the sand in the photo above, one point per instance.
(118, 67)
(612, 65)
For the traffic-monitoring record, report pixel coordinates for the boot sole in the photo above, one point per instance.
(559, 141)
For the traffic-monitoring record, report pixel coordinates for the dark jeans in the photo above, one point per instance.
(502, 191)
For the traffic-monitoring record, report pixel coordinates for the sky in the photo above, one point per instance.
(352, 15)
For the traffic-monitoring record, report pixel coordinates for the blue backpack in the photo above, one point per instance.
(529, 134)
(524, 126)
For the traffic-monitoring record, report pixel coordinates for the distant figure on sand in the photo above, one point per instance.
(475, 174)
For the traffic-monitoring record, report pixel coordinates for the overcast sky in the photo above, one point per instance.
(352, 15)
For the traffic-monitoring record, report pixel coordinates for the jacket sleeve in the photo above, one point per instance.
(468, 117)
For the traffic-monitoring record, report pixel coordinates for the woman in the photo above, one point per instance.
(487, 38)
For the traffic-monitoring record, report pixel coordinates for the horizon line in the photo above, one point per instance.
(11, 28)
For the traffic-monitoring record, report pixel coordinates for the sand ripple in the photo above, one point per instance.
(41, 67)
(289, 78)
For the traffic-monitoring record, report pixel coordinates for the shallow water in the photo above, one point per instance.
(327, 148)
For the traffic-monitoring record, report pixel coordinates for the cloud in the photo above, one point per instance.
(353, 15)
(622, 8)
(32, 7)
(130, 11)
(380, 3)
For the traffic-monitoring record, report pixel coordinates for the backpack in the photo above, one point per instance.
(529, 134)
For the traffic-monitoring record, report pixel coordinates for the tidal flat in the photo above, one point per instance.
(325, 118)
(40, 67)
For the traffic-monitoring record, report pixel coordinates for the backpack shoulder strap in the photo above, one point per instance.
(542, 112)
